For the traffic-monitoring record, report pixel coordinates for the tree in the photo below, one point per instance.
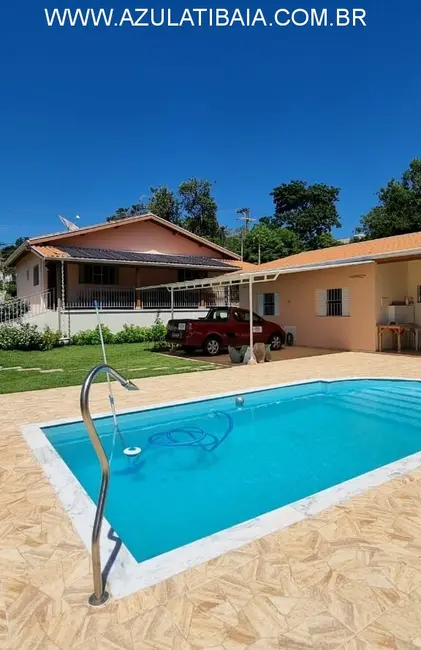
(308, 210)
(132, 211)
(274, 243)
(7, 276)
(199, 208)
(165, 204)
(7, 249)
(399, 211)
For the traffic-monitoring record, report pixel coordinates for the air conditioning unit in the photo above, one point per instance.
(291, 334)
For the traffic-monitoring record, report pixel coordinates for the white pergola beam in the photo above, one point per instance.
(243, 278)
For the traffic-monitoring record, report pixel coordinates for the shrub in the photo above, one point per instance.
(91, 337)
(132, 334)
(50, 338)
(129, 334)
(27, 337)
(158, 330)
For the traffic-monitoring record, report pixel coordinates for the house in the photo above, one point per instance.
(60, 276)
(335, 297)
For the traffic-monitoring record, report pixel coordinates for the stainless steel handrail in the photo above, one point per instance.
(100, 595)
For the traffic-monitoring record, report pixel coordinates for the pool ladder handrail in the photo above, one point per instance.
(100, 595)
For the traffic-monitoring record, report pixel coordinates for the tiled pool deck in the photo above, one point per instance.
(349, 577)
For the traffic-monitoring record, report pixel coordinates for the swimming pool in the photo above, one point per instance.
(211, 465)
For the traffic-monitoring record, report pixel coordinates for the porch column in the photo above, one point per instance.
(172, 303)
(251, 314)
(137, 290)
(63, 290)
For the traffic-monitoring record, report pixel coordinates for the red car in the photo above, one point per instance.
(221, 327)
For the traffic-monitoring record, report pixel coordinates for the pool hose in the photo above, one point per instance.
(195, 436)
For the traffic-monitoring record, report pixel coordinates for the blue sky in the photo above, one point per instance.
(90, 118)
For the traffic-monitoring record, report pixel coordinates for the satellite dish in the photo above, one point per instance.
(69, 224)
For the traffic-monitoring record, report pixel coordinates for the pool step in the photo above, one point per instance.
(382, 407)
(412, 400)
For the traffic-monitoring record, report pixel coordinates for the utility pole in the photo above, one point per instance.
(258, 254)
(246, 219)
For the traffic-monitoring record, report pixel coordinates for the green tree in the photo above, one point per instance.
(7, 276)
(132, 211)
(274, 242)
(399, 209)
(231, 239)
(199, 208)
(308, 210)
(165, 204)
(7, 249)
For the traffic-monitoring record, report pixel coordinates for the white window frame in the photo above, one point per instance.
(36, 275)
(323, 303)
(263, 303)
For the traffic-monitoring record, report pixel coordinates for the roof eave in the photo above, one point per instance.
(120, 223)
(91, 260)
(17, 254)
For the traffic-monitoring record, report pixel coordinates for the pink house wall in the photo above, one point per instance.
(297, 299)
(142, 237)
(149, 275)
(25, 275)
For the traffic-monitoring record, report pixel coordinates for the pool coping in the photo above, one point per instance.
(128, 576)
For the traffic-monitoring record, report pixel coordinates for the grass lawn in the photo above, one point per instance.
(133, 360)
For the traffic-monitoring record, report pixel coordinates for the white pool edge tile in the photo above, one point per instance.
(128, 576)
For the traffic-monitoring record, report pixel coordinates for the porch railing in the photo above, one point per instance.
(160, 298)
(106, 297)
(190, 299)
(14, 311)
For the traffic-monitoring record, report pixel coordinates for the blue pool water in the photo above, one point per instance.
(283, 444)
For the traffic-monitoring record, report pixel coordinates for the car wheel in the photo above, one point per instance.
(275, 342)
(212, 346)
(188, 349)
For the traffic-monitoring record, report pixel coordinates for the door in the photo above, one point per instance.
(259, 335)
(241, 328)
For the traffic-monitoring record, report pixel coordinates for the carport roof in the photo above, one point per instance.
(260, 275)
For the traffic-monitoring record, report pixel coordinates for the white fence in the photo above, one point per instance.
(160, 298)
(106, 297)
(18, 309)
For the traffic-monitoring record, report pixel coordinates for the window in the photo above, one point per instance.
(220, 314)
(36, 275)
(256, 318)
(27, 275)
(268, 304)
(186, 275)
(332, 302)
(98, 274)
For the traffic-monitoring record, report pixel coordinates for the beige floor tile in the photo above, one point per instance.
(355, 567)
(320, 632)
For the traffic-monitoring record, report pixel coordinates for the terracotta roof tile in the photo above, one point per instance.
(244, 266)
(50, 251)
(396, 244)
